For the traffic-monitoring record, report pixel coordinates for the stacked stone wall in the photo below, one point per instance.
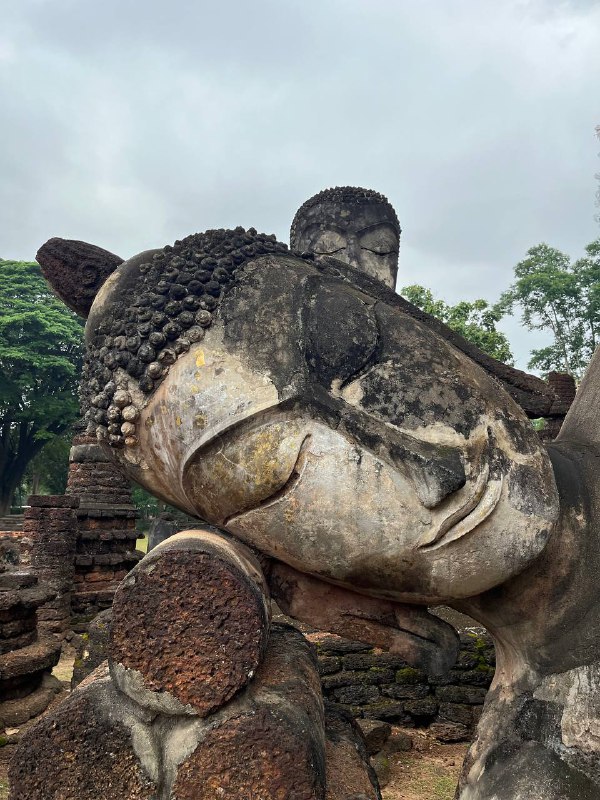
(372, 684)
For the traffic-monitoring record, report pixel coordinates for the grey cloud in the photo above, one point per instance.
(131, 124)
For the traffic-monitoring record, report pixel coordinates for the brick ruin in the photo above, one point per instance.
(106, 518)
(34, 609)
(564, 388)
(51, 525)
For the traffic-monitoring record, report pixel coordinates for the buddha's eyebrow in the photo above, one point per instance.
(319, 227)
(375, 226)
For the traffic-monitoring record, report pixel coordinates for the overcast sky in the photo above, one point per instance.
(130, 124)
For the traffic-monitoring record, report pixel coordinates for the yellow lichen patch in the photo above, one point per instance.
(200, 362)
(178, 421)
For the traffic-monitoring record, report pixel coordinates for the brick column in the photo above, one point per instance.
(105, 549)
(51, 524)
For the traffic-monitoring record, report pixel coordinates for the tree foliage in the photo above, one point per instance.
(48, 471)
(40, 361)
(562, 297)
(475, 320)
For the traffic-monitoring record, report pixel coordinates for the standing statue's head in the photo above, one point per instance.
(358, 226)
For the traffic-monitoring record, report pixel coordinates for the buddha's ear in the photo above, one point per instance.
(76, 271)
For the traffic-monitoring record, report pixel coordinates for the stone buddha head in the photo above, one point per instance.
(358, 226)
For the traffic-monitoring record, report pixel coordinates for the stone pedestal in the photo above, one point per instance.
(201, 696)
(105, 548)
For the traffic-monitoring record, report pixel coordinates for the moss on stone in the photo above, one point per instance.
(408, 675)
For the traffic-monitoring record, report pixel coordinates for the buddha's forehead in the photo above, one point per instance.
(346, 216)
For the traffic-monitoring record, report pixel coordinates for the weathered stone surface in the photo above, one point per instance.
(170, 646)
(357, 695)
(106, 518)
(272, 745)
(39, 656)
(349, 772)
(52, 524)
(387, 710)
(83, 750)
(315, 415)
(16, 712)
(471, 695)
(76, 270)
(357, 225)
(399, 742)
(93, 647)
(383, 768)
(449, 731)
(258, 754)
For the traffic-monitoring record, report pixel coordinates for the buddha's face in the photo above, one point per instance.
(363, 235)
(337, 434)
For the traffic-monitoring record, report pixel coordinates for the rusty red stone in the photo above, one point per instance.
(193, 622)
(257, 754)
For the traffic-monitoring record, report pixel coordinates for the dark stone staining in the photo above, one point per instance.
(532, 770)
(342, 196)
(162, 308)
(534, 396)
(521, 497)
(263, 322)
(343, 335)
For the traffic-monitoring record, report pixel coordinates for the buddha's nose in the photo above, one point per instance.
(353, 252)
(436, 471)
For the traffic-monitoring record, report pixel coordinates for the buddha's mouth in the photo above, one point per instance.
(469, 515)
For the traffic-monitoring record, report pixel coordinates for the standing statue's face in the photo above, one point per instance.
(363, 235)
(334, 432)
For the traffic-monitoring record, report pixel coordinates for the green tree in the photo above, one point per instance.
(49, 470)
(475, 320)
(40, 361)
(561, 297)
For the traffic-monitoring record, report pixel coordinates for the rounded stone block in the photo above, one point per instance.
(270, 743)
(83, 750)
(190, 624)
(258, 754)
